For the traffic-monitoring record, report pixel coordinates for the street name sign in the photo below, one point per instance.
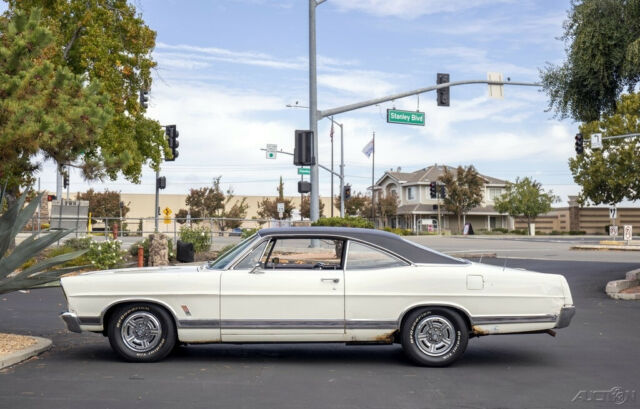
(304, 171)
(271, 150)
(396, 116)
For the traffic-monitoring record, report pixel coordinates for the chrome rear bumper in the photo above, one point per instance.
(72, 321)
(566, 314)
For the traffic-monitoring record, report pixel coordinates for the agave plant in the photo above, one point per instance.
(11, 223)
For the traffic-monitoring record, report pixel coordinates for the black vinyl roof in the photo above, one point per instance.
(406, 249)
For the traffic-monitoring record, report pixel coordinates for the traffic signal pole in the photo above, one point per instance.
(155, 211)
(314, 201)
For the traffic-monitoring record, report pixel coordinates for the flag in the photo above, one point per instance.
(331, 133)
(368, 148)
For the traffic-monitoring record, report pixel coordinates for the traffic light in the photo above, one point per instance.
(144, 98)
(161, 182)
(172, 139)
(303, 154)
(579, 144)
(304, 187)
(442, 192)
(347, 192)
(443, 93)
(51, 198)
(65, 181)
(432, 190)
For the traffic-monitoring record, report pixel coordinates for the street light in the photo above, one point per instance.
(296, 105)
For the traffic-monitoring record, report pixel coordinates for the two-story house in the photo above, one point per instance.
(419, 212)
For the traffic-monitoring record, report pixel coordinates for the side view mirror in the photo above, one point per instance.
(257, 269)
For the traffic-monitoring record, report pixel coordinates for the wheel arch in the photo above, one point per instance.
(464, 314)
(108, 311)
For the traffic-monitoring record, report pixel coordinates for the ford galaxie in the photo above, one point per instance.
(317, 284)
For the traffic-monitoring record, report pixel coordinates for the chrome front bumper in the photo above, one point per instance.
(566, 314)
(72, 321)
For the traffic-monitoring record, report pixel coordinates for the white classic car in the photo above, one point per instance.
(317, 284)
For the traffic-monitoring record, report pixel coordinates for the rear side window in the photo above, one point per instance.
(362, 257)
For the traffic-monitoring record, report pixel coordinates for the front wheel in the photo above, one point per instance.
(434, 336)
(141, 332)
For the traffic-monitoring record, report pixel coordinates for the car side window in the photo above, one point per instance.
(253, 257)
(362, 257)
(305, 253)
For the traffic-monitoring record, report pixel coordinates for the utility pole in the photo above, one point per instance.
(438, 199)
(313, 111)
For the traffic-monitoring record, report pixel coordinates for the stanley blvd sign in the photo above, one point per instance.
(396, 116)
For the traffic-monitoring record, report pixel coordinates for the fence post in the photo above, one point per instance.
(175, 236)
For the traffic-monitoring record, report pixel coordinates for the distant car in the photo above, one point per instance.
(236, 232)
(317, 284)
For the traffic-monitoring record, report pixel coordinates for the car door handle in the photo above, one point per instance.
(333, 280)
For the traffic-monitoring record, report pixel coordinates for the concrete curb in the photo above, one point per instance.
(632, 279)
(605, 247)
(41, 345)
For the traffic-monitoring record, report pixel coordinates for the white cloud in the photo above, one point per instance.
(468, 59)
(411, 9)
(363, 83)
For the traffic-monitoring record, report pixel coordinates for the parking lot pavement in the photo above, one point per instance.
(597, 352)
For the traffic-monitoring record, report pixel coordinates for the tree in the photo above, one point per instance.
(386, 206)
(46, 110)
(213, 202)
(106, 44)
(358, 204)
(104, 204)
(268, 208)
(525, 198)
(305, 207)
(603, 59)
(612, 174)
(464, 191)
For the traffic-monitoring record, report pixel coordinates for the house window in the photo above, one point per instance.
(494, 192)
(411, 193)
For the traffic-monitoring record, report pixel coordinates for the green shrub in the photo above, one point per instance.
(521, 232)
(105, 254)
(577, 232)
(78, 243)
(199, 236)
(398, 231)
(500, 230)
(349, 221)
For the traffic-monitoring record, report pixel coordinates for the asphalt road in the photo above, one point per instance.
(597, 352)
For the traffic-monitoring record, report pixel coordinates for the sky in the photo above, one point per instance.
(228, 68)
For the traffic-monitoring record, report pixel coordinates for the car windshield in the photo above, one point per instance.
(225, 258)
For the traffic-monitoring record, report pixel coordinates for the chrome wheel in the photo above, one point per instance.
(434, 335)
(141, 331)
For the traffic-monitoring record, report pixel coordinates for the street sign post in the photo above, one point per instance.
(272, 149)
(304, 171)
(280, 207)
(628, 232)
(397, 116)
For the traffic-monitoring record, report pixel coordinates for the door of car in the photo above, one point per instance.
(284, 288)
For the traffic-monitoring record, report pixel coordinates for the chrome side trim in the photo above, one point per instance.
(522, 319)
(72, 321)
(566, 314)
(287, 324)
(90, 320)
(193, 324)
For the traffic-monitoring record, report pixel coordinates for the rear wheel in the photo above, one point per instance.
(141, 332)
(434, 336)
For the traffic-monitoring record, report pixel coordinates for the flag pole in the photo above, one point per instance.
(373, 167)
